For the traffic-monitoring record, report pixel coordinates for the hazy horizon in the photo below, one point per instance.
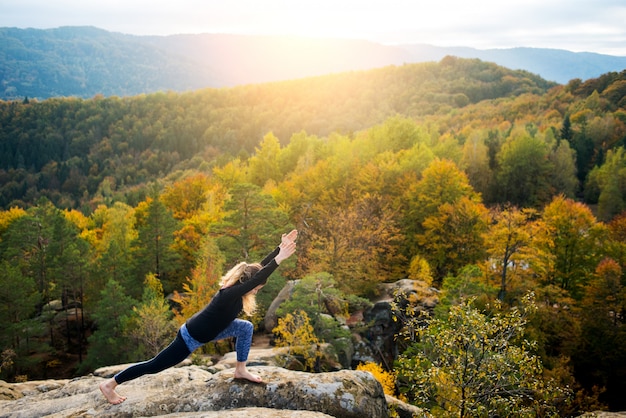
(577, 26)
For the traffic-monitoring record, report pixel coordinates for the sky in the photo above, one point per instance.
(575, 25)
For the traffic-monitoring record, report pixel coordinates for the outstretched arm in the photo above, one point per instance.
(285, 240)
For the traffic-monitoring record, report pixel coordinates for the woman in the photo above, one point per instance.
(216, 321)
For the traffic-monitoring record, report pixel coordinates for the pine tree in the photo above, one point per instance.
(109, 344)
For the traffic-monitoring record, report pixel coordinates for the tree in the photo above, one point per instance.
(202, 284)
(112, 237)
(357, 243)
(610, 181)
(569, 243)
(523, 178)
(475, 163)
(453, 237)
(68, 255)
(617, 238)
(187, 197)
(295, 332)
(196, 202)
(563, 178)
(150, 326)
(471, 365)
(395, 134)
(597, 362)
(582, 143)
(251, 224)
(18, 300)
(25, 243)
(109, 344)
(154, 245)
(442, 183)
(566, 129)
(507, 243)
(264, 165)
(8, 216)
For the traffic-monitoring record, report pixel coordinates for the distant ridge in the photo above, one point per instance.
(556, 65)
(86, 61)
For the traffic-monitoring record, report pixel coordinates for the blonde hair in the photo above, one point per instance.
(241, 273)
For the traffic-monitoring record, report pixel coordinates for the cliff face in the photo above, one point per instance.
(193, 391)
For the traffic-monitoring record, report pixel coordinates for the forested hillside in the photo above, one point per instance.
(86, 61)
(483, 182)
(130, 141)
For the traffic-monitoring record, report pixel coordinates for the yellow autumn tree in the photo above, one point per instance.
(453, 237)
(150, 324)
(203, 283)
(8, 216)
(507, 244)
(296, 332)
(569, 238)
(386, 379)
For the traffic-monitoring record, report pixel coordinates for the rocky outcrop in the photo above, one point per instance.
(192, 391)
(271, 318)
(378, 339)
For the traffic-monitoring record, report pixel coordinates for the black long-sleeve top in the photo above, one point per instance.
(227, 303)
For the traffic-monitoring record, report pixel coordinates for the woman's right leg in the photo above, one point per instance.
(173, 354)
(170, 356)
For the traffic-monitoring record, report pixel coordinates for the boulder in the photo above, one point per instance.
(271, 319)
(9, 391)
(191, 391)
(401, 409)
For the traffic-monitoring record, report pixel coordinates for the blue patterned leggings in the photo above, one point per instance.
(183, 345)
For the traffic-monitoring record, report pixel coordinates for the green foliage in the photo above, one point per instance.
(525, 171)
(316, 294)
(596, 357)
(389, 179)
(471, 365)
(153, 249)
(114, 144)
(149, 326)
(112, 236)
(18, 298)
(251, 224)
(467, 285)
(203, 283)
(264, 164)
(108, 345)
(570, 241)
(610, 182)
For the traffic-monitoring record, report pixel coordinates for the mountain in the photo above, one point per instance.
(87, 61)
(556, 65)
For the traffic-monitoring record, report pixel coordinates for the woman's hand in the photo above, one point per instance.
(286, 249)
(290, 237)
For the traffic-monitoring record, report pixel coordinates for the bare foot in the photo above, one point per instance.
(108, 390)
(245, 374)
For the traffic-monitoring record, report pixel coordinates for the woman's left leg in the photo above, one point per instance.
(242, 330)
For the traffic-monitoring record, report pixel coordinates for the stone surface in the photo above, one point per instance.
(193, 391)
